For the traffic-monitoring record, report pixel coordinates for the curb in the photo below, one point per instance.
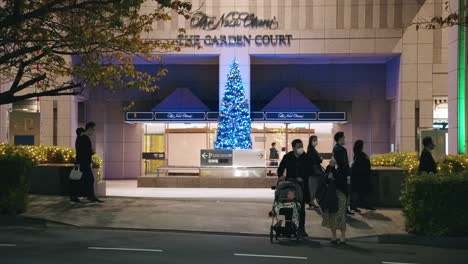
(401, 239)
(442, 242)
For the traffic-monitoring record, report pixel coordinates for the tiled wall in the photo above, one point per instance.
(118, 143)
(346, 27)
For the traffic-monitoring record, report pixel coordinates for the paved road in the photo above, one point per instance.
(63, 245)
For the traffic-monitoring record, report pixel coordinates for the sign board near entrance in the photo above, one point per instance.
(153, 155)
(249, 158)
(139, 116)
(180, 116)
(290, 116)
(215, 158)
(25, 128)
(331, 116)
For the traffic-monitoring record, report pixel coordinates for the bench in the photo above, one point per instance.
(166, 168)
(176, 168)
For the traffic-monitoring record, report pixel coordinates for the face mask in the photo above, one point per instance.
(300, 151)
(314, 143)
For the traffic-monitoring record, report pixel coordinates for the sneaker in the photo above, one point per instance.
(95, 201)
(75, 201)
(349, 213)
(303, 233)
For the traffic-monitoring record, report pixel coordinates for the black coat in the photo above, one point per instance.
(84, 150)
(296, 167)
(274, 153)
(361, 173)
(341, 156)
(426, 162)
(315, 162)
(326, 193)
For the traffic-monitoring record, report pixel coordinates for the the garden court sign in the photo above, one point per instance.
(233, 19)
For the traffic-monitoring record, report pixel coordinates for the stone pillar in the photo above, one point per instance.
(4, 116)
(225, 60)
(455, 72)
(118, 143)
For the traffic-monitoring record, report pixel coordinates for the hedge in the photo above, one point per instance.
(15, 181)
(432, 203)
(47, 154)
(410, 162)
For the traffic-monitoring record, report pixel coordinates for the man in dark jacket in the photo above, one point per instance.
(295, 163)
(340, 154)
(426, 161)
(84, 152)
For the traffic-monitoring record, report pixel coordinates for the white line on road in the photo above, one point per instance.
(386, 262)
(126, 249)
(7, 245)
(268, 256)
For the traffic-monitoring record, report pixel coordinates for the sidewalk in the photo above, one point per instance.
(198, 215)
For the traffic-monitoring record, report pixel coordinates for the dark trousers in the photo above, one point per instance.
(359, 199)
(75, 186)
(88, 181)
(302, 214)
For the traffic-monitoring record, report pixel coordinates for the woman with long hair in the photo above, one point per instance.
(315, 171)
(360, 178)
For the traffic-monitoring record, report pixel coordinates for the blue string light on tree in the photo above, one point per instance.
(234, 125)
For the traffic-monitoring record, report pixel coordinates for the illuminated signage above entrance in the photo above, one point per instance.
(235, 40)
(255, 116)
(233, 19)
(179, 116)
(290, 116)
(230, 20)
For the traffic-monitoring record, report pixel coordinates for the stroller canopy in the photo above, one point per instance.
(282, 190)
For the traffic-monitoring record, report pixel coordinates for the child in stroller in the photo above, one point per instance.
(285, 218)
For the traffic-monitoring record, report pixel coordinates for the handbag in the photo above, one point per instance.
(75, 173)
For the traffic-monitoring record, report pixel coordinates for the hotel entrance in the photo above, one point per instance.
(178, 145)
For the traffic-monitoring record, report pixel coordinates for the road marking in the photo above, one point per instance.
(268, 256)
(386, 262)
(7, 245)
(126, 249)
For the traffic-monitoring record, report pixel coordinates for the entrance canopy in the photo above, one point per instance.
(290, 99)
(183, 106)
(181, 100)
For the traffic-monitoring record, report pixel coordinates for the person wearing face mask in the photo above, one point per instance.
(296, 165)
(315, 172)
(426, 161)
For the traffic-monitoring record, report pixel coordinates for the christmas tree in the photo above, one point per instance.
(234, 115)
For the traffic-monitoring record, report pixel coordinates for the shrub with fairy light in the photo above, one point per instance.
(431, 202)
(410, 162)
(234, 114)
(47, 154)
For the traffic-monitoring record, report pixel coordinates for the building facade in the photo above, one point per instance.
(361, 57)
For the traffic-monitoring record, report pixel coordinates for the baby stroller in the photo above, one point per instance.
(285, 212)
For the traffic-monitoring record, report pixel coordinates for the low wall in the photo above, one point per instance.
(200, 182)
(53, 179)
(387, 183)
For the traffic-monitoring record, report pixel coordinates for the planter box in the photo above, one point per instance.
(53, 179)
(386, 186)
